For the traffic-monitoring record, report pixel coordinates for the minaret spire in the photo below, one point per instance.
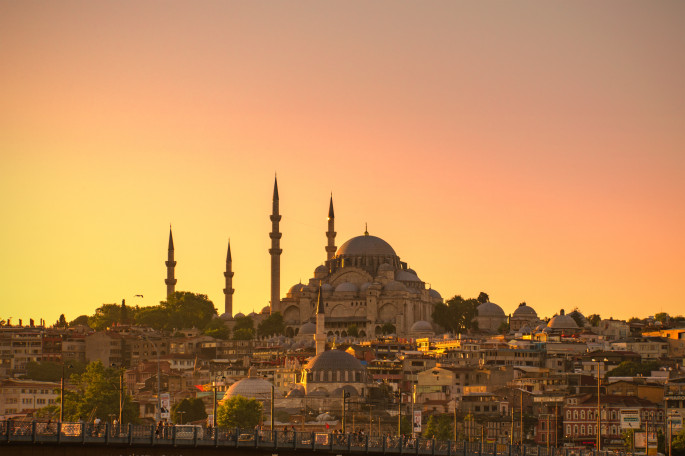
(330, 234)
(275, 251)
(320, 335)
(228, 291)
(170, 265)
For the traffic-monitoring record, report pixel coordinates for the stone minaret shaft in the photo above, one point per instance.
(330, 234)
(320, 335)
(170, 265)
(228, 291)
(275, 252)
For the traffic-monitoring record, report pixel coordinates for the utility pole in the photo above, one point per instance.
(521, 421)
(272, 411)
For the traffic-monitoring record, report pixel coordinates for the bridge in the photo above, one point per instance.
(38, 438)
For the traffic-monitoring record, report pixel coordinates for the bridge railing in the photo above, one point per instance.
(186, 435)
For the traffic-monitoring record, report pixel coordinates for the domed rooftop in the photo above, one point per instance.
(434, 294)
(524, 310)
(307, 329)
(490, 309)
(298, 287)
(406, 276)
(322, 269)
(346, 287)
(334, 360)
(365, 286)
(351, 390)
(251, 388)
(562, 321)
(421, 326)
(366, 245)
(239, 315)
(326, 287)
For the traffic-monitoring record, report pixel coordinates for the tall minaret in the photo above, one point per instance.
(275, 252)
(320, 335)
(170, 265)
(330, 234)
(228, 291)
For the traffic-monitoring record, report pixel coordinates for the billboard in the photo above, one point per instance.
(417, 421)
(630, 418)
(165, 406)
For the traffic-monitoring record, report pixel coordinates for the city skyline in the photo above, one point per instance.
(529, 150)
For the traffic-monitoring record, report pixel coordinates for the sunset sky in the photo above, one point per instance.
(534, 150)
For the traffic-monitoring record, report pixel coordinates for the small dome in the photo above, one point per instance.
(406, 276)
(385, 267)
(251, 388)
(226, 316)
(490, 309)
(326, 287)
(413, 290)
(252, 314)
(364, 286)
(346, 287)
(434, 294)
(266, 310)
(307, 329)
(297, 288)
(524, 310)
(562, 321)
(421, 326)
(366, 245)
(394, 286)
(239, 315)
(322, 269)
(296, 392)
(334, 360)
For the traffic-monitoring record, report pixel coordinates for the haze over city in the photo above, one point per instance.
(531, 150)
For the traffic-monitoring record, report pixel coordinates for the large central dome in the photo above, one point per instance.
(366, 245)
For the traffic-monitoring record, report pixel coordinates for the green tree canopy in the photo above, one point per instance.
(95, 392)
(193, 410)
(594, 319)
(244, 322)
(662, 317)
(271, 325)
(678, 442)
(239, 411)
(217, 328)
(458, 314)
(632, 368)
(388, 328)
(105, 316)
(80, 320)
(243, 334)
(181, 310)
(353, 330)
(62, 322)
(439, 427)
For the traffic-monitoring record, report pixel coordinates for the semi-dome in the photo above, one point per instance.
(346, 287)
(394, 285)
(524, 310)
(239, 315)
(562, 321)
(334, 360)
(326, 287)
(434, 294)
(322, 269)
(421, 326)
(366, 245)
(490, 309)
(298, 287)
(406, 276)
(307, 329)
(364, 286)
(351, 390)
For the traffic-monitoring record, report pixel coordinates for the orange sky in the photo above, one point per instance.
(532, 150)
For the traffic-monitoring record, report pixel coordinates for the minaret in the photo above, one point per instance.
(330, 234)
(228, 291)
(170, 265)
(275, 252)
(320, 335)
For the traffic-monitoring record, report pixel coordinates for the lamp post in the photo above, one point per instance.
(121, 392)
(214, 385)
(61, 393)
(158, 412)
(180, 413)
(599, 404)
(345, 395)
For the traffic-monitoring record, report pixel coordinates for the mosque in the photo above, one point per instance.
(362, 283)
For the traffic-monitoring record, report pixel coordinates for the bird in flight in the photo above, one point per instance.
(137, 296)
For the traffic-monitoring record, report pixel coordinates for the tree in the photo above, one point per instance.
(62, 322)
(439, 427)
(96, 391)
(662, 317)
(678, 442)
(272, 325)
(353, 330)
(458, 314)
(243, 334)
(239, 411)
(483, 297)
(244, 322)
(217, 329)
(577, 318)
(104, 316)
(632, 369)
(80, 320)
(594, 319)
(388, 328)
(181, 310)
(405, 425)
(192, 410)
(503, 328)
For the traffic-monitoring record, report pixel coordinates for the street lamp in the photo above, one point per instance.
(599, 411)
(61, 394)
(158, 412)
(345, 395)
(214, 385)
